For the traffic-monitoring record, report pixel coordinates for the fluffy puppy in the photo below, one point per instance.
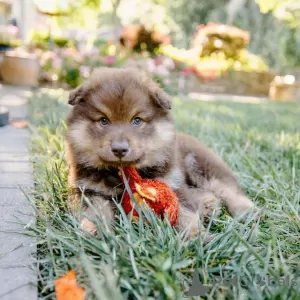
(121, 117)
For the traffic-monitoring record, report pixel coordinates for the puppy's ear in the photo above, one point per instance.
(162, 99)
(77, 96)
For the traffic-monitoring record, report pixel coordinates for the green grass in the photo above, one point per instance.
(137, 261)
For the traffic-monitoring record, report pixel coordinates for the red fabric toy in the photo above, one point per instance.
(154, 193)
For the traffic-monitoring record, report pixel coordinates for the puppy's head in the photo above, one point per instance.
(120, 117)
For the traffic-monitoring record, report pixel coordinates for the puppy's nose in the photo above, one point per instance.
(120, 149)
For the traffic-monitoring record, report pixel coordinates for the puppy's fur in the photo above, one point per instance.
(199, 178)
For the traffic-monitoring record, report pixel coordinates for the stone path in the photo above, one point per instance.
(17, 275)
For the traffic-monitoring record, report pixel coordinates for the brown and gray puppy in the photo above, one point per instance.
(121, 117)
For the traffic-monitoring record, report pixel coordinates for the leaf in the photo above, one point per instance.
(67, 289)
(167, 264)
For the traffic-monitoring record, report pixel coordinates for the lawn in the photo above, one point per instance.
(261, 142)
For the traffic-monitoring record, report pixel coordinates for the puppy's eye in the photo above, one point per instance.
(137, 121)
(104, 121)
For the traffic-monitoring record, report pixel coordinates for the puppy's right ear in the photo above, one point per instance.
(76, 96)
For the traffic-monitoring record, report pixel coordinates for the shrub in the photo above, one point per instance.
(41, 40)
(137, 38)
(9, 36)
(214, 38)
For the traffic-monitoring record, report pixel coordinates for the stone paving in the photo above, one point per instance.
(17, 275)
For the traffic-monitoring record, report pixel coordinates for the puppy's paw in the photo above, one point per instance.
(205, 235)
(244, 207)
(190, 227)
(88, 226)
(209, 205)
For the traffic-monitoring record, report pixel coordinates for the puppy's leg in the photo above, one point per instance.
(190, 224)
(95, 206)
(232, 197)
(212, 175)
(209, 204)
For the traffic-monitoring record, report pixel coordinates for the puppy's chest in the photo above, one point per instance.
(172, 176)
(104, 181)
(109, 184)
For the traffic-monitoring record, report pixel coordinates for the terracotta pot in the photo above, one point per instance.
(19, 70)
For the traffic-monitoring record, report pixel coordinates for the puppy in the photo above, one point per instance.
(121, 117)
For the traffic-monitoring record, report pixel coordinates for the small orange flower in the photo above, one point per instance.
(19, 124)
(67, 289)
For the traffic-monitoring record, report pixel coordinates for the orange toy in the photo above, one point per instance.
(156, 194)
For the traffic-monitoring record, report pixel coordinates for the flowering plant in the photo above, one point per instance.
(69, 65)
(9, 36)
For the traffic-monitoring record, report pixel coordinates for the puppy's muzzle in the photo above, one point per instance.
(120, 148)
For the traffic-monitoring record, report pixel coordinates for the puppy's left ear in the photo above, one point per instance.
(162, 99)
(77, 96)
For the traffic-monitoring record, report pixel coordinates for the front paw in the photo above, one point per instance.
(202, 233)
(210, 206)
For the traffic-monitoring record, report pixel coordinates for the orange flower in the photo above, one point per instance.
(66, 288)
(19, 124)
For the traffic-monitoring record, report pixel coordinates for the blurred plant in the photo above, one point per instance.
(286, 10)
(138, 38)
(182, 57)
(153, 14)
(189, 14)
(215, 38)
(217, 62)
(41, 40)
(70, 66)
(83, 13)
(71, 74)
(9, 36)
(271, 38)
(159, 68)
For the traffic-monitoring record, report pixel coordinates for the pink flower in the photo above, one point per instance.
(57, 63)
(110, 60)
(94, 51)
(84, 71)
(150, 65)
(162, 71)
(158, 60)
(169, 63)
(68, 52)
(187, 70)
(167, 81)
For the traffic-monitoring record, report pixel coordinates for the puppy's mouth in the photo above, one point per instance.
(121, 162)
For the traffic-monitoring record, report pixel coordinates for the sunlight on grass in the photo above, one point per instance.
(140, 261)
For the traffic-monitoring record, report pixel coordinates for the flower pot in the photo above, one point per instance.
(19, 69)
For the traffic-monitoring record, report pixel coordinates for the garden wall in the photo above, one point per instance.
(238, 82)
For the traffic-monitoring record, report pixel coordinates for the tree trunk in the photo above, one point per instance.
(116, 24)
(233, 8)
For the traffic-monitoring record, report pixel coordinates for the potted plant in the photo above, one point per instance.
(19, 68)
